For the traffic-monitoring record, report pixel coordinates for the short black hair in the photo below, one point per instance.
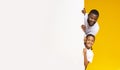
(94, 11)
(90, 35)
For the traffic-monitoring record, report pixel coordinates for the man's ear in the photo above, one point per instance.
(84, 39)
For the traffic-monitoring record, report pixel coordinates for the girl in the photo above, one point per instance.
(87, 51)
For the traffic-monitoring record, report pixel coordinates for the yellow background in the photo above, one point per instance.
(107, 44)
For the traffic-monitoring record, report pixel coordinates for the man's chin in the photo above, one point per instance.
(91, 24)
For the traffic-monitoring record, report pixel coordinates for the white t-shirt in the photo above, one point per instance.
(90, 55)
(90, 29)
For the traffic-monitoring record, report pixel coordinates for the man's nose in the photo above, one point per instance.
(93, 20)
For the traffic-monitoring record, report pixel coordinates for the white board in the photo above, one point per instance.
(41, 35)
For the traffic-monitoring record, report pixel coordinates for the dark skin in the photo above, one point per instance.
(86, 62)
(92, 18)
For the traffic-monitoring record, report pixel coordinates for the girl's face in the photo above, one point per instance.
(89, 42)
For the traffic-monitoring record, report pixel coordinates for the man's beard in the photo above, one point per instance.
(89, 23)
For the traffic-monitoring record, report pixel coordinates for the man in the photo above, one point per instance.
(90, 22)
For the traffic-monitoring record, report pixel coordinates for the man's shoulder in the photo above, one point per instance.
(96, 25)
(86, 15)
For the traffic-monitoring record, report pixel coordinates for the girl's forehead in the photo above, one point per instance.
(90, 36)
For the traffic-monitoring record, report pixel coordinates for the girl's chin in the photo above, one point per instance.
(88, 47)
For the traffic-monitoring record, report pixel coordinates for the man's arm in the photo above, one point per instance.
(85, 58)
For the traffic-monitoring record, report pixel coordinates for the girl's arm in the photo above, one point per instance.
(85, 58)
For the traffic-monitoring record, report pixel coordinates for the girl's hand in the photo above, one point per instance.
(85, 50)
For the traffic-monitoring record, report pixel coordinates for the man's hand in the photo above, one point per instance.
(84, 11)
(83, 27)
